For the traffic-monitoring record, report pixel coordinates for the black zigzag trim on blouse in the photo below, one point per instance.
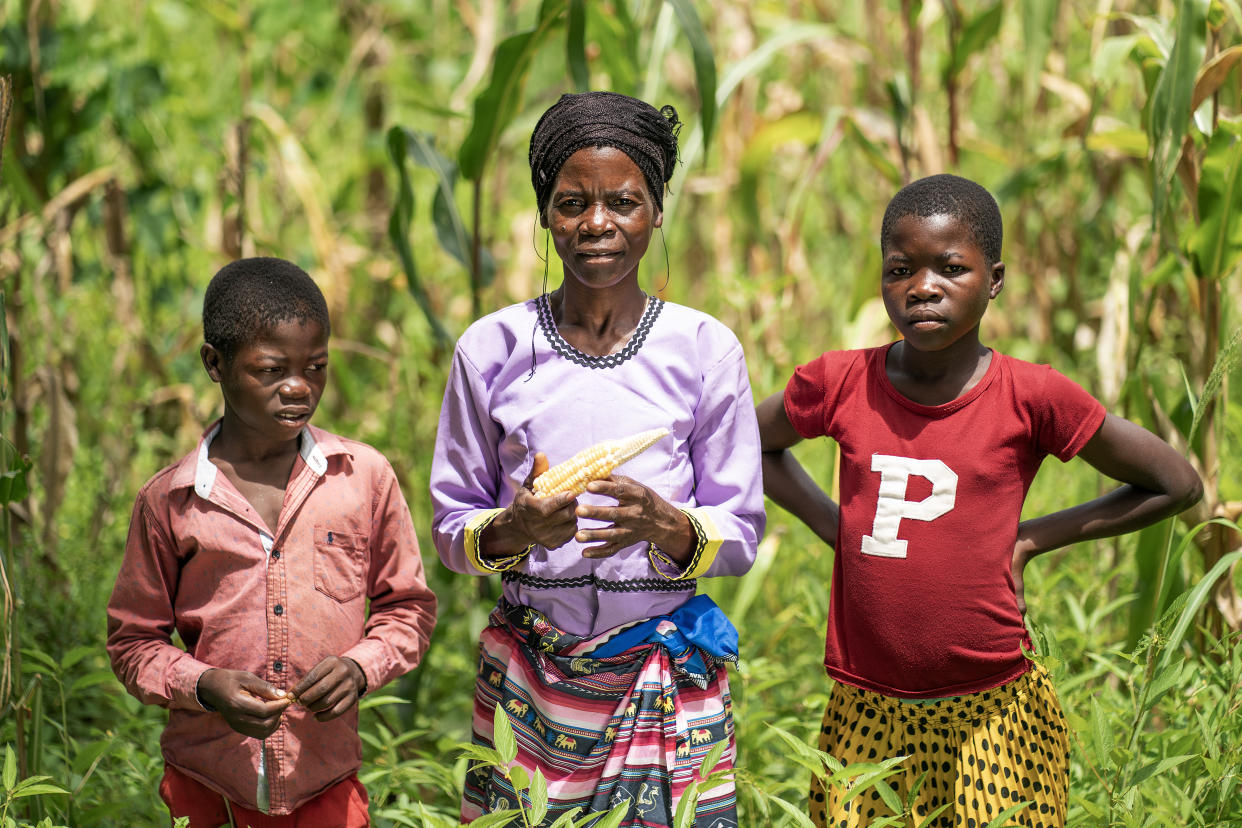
(558, 343)
(636, 585)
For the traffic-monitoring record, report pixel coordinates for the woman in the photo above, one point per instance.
(613, 677)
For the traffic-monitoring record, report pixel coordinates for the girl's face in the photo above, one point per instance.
(601, 216)
(937, 282)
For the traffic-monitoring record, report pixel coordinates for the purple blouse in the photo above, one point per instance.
(682, 370)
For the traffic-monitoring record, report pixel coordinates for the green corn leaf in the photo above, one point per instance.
(501, 100)
(450, 227)
(704, 64)
(1169, 108)
(502, 736)
(575, 46)
(1216, 244)
(1038, 23)
(1199, 593)
(399, 222)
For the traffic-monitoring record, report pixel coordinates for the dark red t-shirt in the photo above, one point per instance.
(923, 602)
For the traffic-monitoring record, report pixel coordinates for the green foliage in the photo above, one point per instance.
(384, 149)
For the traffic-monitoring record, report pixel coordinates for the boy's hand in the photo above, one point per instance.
(331, 688)
(640, 516)
(249, 704)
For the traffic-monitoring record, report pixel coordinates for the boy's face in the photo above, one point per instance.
(937, 281)
(272, 385)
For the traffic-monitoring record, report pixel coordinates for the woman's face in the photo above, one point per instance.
(601, 216)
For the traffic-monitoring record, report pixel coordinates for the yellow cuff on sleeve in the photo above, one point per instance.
(707, 541)
(474, 533)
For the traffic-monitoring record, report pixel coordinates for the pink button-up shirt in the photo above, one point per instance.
(201, 562)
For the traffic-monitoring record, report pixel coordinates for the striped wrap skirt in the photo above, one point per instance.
(968, 758)
(628, 727)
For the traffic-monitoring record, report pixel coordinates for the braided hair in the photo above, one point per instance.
(604, 119)
(949, 195)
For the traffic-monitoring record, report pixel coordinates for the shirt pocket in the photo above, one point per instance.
(340, 564)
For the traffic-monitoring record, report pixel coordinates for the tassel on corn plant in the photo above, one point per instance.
(594, 463)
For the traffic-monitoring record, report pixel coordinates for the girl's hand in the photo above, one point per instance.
(1021, 555)
(547, 521)
(640, 516)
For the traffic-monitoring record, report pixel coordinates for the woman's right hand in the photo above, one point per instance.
(547, 521)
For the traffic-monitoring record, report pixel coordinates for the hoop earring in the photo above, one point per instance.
(534, 327)
(668, 270)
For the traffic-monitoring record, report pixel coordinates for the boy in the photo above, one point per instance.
(940, 438)
(261, 549)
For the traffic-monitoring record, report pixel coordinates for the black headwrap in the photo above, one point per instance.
(604, 119)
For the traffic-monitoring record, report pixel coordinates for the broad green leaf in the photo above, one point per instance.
(979, 31)
(399, 222)
(1101, 734)
(613, 818)
(1163, 682)
(575, 46)
(496, 819)
(10, 768)
(712, 758)
(565, 820)
(519, 778)
(704, 64)
(1147, 771)
(1002, 819)
(683, 817)
(479, 753)
(1216, 244)
(538, 797)
(1169, 109)
(502, 736)
(36, 786)
(890, 797)
(797, 814)
(498, 103)
(1109, 61)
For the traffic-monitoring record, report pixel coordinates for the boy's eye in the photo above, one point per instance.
(954, 268)
(899, 271)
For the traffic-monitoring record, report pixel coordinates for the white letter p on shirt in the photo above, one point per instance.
(892, 505)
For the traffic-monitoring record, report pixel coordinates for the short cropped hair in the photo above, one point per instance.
(249, 297)
(949, 195)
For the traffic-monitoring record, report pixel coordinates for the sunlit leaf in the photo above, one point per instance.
(498, 103)
(538, 797)
(1169, 109)
(502, 734)
(704, 64)
(1216, 244)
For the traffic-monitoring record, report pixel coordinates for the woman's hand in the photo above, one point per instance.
(547, 521)
(640, 516)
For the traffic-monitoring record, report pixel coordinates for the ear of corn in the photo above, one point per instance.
(594, 463)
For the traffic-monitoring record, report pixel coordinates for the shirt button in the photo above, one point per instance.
(278, 609)
(275, 554)
(278, 666)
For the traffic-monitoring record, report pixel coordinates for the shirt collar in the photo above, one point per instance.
(198, 471)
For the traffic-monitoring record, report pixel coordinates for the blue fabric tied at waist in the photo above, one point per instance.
(696, 625)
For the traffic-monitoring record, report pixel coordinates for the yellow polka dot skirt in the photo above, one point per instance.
(978, 754)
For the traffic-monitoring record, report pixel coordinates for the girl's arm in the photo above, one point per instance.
(784, 479)
(1158, 483)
